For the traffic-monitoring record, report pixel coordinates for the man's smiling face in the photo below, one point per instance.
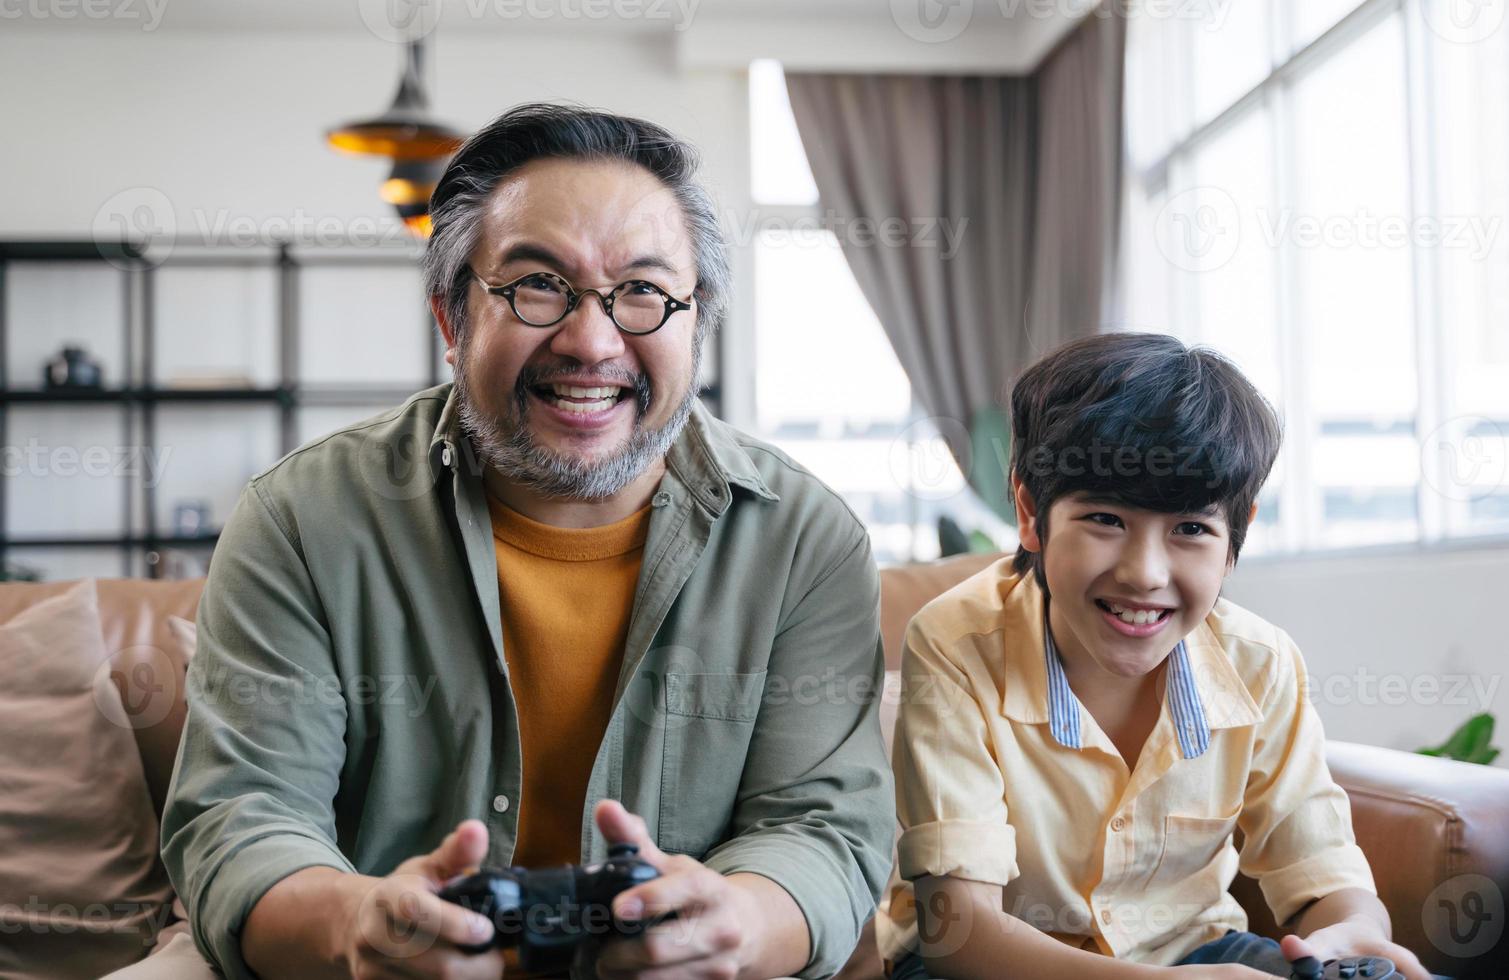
(580, 408)
(1127, 584)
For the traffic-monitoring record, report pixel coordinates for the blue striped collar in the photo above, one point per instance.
(1183, 699)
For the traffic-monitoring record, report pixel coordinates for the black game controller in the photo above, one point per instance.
(550, 912)
(1345, 968)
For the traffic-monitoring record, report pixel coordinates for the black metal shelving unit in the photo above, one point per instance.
(139, 397)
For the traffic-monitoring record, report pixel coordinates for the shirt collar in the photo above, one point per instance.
(706, 456)
(1180, 691)
(1203, 689)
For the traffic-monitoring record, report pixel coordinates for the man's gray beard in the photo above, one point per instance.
(511, 450)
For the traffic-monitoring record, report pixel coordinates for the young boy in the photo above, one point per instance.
(1083, 727)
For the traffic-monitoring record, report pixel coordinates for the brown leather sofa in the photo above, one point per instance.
(1437, 832)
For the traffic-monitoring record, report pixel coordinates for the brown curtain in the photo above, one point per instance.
(1007, 189)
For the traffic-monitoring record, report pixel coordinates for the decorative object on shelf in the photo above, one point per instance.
(1469, 743)
(406, 133)
(175, 563)
(206, 380)
(73, 369)
(191, 518)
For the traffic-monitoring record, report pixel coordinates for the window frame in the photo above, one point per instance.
(1442, 522)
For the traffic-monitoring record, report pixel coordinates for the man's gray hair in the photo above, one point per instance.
(542, 130)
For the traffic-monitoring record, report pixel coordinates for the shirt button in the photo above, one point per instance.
(1105, 916)
(445, 456)
(500, 803)
(661, 498)
(1119, 824)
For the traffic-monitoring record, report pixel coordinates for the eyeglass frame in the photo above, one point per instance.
(574, 296)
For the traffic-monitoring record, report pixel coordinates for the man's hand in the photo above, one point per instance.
(1217, 971)
(1357, 936)
(402, 928)
(707, 938)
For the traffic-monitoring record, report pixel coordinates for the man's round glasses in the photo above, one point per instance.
(543, 299)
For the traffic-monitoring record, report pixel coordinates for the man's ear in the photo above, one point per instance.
(1026, 515)
(437, 309)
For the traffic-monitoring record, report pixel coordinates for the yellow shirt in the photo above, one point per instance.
(1134, 864)
(565, 595)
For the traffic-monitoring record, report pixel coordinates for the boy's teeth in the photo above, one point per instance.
(1138, 618)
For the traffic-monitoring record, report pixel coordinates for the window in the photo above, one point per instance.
(828, 387)
(1313, 189)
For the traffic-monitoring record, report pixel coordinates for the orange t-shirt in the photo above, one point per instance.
(566, 595)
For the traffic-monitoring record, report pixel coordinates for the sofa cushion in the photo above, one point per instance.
(82, 891)
(904, 589)
(147, 661)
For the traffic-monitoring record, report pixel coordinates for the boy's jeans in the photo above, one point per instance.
(1245, 948)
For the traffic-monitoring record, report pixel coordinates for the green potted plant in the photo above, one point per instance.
(1469, 743)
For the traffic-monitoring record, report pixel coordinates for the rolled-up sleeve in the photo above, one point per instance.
(1297, 823)
(815, 811)
(264, 741)
(950, 794)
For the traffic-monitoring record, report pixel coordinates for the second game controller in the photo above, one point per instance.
(1344, 968)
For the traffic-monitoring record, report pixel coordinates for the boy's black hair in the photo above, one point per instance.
(1142, 420)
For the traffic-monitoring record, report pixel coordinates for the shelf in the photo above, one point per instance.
(143, 401)
(326, 395)
(115, 395)
(123, 541)
(68, 251)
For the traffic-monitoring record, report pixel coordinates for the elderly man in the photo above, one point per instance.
(552, 606)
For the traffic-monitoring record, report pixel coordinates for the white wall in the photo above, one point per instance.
(235, 122)
(1401, 646)
(224, 129)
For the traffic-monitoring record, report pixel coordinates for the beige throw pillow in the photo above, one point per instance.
(82, 891)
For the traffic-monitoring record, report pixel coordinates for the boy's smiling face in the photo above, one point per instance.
(1107, 563)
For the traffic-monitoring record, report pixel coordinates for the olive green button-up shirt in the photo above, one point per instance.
(349, 701)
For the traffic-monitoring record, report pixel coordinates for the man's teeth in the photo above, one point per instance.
(572, 391)
(1140, 617)
(602, 398)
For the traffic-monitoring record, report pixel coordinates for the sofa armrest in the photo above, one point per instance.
(1436, 833)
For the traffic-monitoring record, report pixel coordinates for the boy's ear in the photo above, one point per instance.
(1252, 514)
(1026, 515)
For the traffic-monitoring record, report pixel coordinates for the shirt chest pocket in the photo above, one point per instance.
(709, 720)
(1191, 845)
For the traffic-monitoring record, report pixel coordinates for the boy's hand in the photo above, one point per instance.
(1359, 936)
